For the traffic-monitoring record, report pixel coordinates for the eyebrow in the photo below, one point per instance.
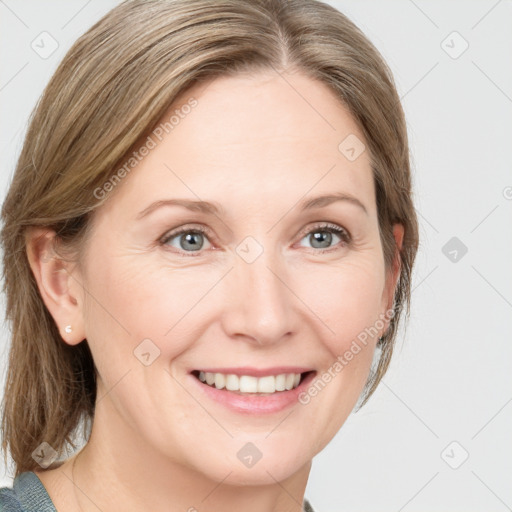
(212, 208)
(195, 206)
(321, 201)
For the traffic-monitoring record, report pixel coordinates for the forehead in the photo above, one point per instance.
(253, 138)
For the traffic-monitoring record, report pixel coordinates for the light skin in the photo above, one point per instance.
(257, 148)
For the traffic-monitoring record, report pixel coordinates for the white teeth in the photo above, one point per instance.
(250, 384)
(220, 381)
(267, 384)
(281, 382)
(232, 383)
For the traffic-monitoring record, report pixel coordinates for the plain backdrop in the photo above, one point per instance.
(437, 433)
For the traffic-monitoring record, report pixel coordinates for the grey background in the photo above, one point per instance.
(450, 381)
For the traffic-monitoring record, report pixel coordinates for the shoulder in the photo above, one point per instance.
(27, 494)
(8, 500)
(307, 506)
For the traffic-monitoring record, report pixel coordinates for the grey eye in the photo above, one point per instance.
(188, 241)
(320, 239)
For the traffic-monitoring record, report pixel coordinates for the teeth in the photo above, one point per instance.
(281, 382)
(220, 381)
(232, 382)
(250, 384)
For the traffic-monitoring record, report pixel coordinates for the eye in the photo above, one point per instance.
(321, 236)
(186, 239)
(189, 241)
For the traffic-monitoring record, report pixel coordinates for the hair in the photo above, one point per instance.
(113, 85)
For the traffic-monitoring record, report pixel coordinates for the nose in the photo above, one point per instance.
(260, 304)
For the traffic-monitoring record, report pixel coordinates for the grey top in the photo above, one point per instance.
(28, 494)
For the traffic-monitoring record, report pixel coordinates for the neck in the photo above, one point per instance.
(118, 470)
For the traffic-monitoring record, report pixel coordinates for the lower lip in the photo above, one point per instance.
(252, 403)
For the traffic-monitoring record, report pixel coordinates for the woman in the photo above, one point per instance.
(208, 244)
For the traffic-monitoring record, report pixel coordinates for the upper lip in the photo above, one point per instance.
(256, 372)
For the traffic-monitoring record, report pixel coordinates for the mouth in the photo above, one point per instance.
(249, 384)
(251, 391)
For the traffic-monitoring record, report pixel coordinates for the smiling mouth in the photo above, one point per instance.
(250, 385)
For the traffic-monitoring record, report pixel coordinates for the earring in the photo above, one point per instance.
(68, 328)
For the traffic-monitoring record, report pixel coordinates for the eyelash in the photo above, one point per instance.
(325, 226)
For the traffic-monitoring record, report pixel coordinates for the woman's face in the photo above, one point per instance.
(269, 288)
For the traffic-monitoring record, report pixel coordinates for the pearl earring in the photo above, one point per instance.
(68, 328)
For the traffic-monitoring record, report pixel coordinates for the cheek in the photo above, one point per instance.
(346, 300)
(139, 301)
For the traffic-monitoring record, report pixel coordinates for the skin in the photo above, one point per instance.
(256, 147)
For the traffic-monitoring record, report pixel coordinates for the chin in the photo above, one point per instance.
(266, 471)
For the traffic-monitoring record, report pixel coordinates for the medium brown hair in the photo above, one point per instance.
(113, 85)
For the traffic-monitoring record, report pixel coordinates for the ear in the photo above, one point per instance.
(393, 274)
(58, 282)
